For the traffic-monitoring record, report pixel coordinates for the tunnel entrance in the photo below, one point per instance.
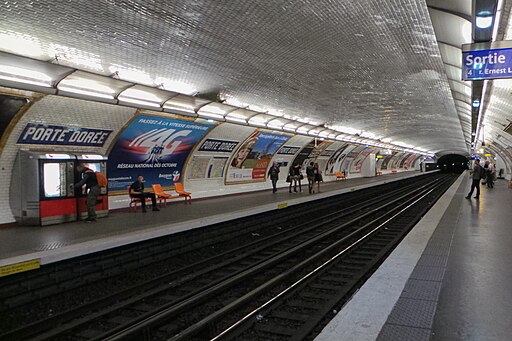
(453, 163)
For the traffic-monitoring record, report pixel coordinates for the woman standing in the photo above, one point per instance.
(318, 176)
(294, 174)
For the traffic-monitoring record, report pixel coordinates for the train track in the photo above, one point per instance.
(201, 286)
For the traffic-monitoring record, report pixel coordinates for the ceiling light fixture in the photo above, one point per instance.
(16, 74)
(484, 22)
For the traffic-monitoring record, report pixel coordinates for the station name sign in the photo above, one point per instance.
(64, 136)
(212, 145)
(487, 60)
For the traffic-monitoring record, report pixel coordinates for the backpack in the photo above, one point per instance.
(101, 178)
(482, 173)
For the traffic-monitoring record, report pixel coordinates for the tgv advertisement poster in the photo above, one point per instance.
(154, 147)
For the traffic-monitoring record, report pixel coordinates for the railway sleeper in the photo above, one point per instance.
(322, 286)
(287, 315)
(315, 295)
(274, 330)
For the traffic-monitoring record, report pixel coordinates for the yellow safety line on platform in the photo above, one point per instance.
(12, 269)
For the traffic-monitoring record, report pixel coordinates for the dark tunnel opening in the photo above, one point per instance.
(453, 163)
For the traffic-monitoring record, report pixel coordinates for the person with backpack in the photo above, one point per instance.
(273, 173)
(477, 174)
(92, 188)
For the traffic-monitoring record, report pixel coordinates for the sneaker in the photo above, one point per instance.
(156, 209)
(89, 220)
(468, 197)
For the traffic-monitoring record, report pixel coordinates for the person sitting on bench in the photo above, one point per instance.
(138, 192)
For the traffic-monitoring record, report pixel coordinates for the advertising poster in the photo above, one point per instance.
(252, 158)
(402, 162)
(355, 167)
(411, 160)
(154, 147)
(347, 161)
(395, 161)
(310, 152)
(334, 163)
(9, 106)
(386, 160)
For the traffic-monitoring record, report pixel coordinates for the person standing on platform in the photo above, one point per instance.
(298, 171)
(318, 176)
(294, 174)
(310, 174)
(273, 174)
(477, 174)
(490, 175)
(92, 189)
(138, 192)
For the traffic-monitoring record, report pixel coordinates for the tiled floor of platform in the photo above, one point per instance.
(57, 242)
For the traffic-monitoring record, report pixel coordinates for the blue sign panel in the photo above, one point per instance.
(154, 147)
(65, 136)
(487, 64)
(212, 145)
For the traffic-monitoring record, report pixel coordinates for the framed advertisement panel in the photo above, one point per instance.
(251, 160)
(154, 147)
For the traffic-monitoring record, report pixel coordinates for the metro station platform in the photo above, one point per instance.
(449, 279)
(59, 242)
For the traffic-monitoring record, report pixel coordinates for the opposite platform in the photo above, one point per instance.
(447, 280)
(58, 242)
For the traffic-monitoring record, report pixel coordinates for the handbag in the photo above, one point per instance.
(301, 177)
(288, 179)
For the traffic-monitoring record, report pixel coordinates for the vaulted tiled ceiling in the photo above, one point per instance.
(373, 65)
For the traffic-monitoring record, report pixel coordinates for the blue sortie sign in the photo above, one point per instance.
(487, 64)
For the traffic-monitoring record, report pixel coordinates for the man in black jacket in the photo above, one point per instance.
(138, 192)
(476, 174)
(92, 190)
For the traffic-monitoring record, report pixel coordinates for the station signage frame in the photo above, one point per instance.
(490, 60)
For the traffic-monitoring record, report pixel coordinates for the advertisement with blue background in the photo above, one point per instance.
(154, 147)
(251, 161)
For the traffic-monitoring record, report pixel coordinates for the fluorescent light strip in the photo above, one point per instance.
(274, 127)
(26, 81)
(140, 102)
(211, 115)
(85, 92)
(235, 119)
(257, 123)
